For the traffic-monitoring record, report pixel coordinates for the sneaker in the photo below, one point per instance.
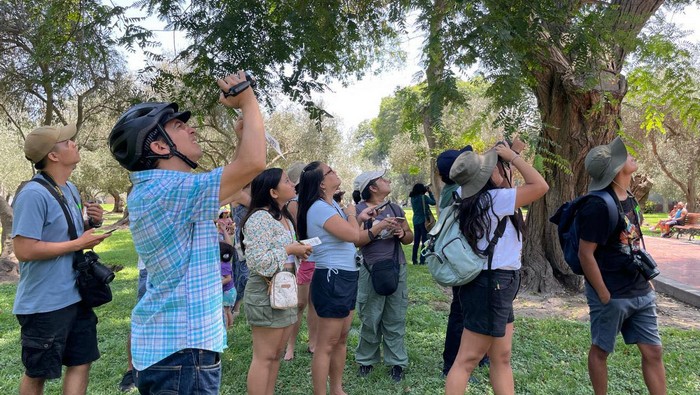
(396, 373)
(127, 383)
(365, 370)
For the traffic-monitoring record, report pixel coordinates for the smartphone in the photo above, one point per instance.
(381, 206)
(400, 219)
(109, 232)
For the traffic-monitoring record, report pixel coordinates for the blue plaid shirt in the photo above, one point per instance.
(172, 223)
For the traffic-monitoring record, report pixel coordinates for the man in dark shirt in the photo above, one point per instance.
(619, 297)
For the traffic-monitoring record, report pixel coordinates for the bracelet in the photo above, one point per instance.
(514, 158)
(93, 224)
(370, 234)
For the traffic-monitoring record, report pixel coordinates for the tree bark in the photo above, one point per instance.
(6, 222)
(575, 121)
(118, 203)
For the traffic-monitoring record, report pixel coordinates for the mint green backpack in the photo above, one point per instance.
(451, 261)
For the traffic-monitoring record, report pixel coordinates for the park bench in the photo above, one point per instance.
(690, 227)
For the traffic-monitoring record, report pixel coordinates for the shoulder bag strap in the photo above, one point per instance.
(72, 232)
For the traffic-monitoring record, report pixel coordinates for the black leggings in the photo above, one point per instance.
(420, 235)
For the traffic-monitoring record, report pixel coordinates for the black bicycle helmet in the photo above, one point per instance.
(140, 124)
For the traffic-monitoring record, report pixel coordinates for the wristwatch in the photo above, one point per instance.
(94, 224)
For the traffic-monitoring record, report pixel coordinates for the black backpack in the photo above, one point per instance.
(565, 219)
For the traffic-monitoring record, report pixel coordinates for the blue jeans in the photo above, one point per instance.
(189, 371)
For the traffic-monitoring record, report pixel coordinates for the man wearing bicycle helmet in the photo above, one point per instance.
(172, 210)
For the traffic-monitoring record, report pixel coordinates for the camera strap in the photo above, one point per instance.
(72, 232)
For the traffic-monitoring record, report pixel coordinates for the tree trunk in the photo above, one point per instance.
(118, 203)
(6, 222)
(435, 76)
(575, 121)
(641, 187)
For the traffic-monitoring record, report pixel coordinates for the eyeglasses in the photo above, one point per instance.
(330, 170)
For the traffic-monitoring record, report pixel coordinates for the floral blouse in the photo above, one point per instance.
(265, 238)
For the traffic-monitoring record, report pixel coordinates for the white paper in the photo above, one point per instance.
(273, 143)
(313, 242)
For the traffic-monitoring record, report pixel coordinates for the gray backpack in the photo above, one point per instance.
(451, 260)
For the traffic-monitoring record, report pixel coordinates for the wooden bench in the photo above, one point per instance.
(690, 227)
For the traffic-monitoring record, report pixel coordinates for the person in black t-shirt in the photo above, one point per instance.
(619, 298)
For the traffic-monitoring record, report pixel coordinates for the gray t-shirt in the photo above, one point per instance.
(332, 253)
(47, 285)
(384, 245)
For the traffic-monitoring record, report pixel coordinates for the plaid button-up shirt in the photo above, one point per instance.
(172, 223)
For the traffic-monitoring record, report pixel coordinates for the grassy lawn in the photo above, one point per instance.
(549, 355)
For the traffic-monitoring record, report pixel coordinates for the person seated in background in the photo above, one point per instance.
(677, 219)
(671, 216)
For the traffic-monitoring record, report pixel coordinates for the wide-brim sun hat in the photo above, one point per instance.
(365, 178)
(604, 162)
(471, 171)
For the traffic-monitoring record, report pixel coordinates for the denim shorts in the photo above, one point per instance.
(189, 371)
(67, 336)
(634, 317)
(487, 310)
(334, 292)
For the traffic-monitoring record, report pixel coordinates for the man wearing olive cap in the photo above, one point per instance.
(56, 329)
(620, 299)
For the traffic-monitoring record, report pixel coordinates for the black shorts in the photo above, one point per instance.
(487, 310)
(334, 292)
(63, 337)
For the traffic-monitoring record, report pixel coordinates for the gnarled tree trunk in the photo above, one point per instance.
(118, 202)
(575, 121)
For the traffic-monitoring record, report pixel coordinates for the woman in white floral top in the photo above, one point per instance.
(270, 246)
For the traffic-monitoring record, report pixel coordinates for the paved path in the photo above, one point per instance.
(679, 263)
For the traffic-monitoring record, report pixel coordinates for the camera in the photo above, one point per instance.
(645, 264)
(92, 266)
(240, 87)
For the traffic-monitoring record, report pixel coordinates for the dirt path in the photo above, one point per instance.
(573, 306)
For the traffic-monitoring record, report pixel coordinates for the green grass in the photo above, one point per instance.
(549, 355)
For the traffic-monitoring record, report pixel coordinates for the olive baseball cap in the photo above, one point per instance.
(604, 162)
(472, 171)
(40, 141)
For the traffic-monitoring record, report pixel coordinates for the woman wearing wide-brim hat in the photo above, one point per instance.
(487, 301)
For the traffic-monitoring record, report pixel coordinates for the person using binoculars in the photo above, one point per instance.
(172, 210)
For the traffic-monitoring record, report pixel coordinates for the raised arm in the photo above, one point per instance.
(535, 186)
(249, 159)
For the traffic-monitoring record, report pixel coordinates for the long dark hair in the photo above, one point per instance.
(309, 192)
(418, 189)
(260, 198)
(475, 218)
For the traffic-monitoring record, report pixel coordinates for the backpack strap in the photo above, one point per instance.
(500, 229)
(613, 211)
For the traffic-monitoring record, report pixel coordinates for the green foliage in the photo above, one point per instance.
(649, 207)
(290, 46)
